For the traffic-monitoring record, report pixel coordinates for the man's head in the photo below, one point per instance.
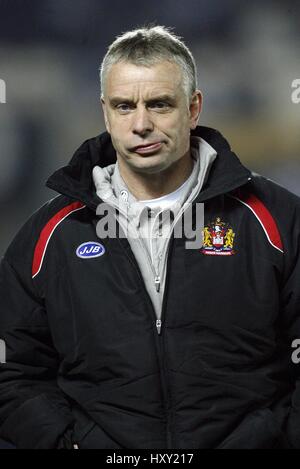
(149, 97)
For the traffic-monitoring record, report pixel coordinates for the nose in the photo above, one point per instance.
(142, 123)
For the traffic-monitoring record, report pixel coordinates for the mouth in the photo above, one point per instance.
(147, 148)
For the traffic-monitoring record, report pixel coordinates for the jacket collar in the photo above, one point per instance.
(75, 179)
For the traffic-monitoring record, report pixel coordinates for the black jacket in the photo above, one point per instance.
(84, 361)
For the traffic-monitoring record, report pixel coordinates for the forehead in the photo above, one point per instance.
(126, 78)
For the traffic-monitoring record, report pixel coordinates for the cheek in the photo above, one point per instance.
(118, 130)
(178, 121)
(177, 129)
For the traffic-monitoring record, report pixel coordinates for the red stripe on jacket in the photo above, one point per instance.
(46, 233)
(263, 215)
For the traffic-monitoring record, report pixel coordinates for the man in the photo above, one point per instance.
(134, 340)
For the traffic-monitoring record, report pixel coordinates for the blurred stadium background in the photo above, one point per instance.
(247, 55)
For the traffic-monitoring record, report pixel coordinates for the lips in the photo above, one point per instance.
(147, 148)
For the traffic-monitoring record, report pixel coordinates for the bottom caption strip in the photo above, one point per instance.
(138, 458)
(150, 458)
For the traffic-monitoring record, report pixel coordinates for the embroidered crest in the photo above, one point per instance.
(218, 239)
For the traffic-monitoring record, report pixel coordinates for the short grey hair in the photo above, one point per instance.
(148, 46)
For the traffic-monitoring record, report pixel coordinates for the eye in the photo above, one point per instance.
(123, 107)
(160, 105)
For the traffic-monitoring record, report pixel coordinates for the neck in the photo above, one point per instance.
(151, 186)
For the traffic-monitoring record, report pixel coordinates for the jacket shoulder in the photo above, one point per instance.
(37, 228)
(280, 209)
(277, 196)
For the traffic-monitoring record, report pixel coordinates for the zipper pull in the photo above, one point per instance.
(158, 325)
(157, 283)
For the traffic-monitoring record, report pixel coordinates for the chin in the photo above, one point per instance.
(148, 167)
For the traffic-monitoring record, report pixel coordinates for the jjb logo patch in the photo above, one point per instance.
(218, 239)
(89, 250)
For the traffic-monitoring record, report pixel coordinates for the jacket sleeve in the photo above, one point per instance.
(34, 412)
(290, 325)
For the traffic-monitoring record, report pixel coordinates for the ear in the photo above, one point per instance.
(104, 109)
(195, 108)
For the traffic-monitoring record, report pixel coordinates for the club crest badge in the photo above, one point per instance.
(218, 239)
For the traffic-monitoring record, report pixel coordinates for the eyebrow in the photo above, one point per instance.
(162, 97)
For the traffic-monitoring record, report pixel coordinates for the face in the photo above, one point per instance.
(148, 115)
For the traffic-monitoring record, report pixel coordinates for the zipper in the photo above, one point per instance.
(157, 279)
(158, 338)
(158, 326)
(160, 322)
